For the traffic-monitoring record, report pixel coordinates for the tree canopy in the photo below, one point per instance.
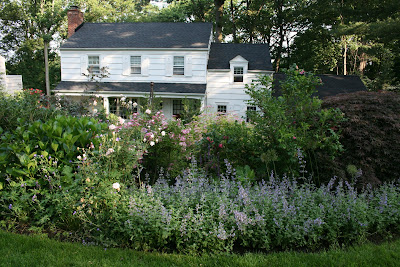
(335, 36)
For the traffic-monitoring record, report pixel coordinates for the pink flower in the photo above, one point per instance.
(302, 72)
(294, 137)
(220, 145)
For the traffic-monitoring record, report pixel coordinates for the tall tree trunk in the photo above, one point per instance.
(345, 56)
(219, 8)
(363, 62)
(281, 35)
(46, 67)
(233, 22)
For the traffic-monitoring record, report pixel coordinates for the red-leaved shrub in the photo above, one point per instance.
(370, 136)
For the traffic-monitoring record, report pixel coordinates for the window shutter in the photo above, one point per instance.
(84, 65)
(145, 66)
(126, 65)
(168, 65)
(188, 66)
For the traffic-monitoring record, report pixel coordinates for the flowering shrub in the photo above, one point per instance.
(293, 121)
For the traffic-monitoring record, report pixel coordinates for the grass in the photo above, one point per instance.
(21, 250)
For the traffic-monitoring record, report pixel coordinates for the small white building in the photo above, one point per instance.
(175, 60)
(9, 83)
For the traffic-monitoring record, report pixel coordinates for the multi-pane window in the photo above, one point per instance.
(238, 74)
(94, 64)
(221, 109)
(123, 107)
(249, 110)
(177, 107)
(136, 65)
(179, 65)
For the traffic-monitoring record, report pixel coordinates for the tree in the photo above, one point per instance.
(28, 26)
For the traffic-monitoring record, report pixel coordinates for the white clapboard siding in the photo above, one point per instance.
(157, 66)
(222, 91)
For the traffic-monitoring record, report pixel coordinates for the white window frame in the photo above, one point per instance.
(221, 107)
(176, 67)
(236, 63)
(238, 74)
(136, 65)
(249, 108)
(91, 65)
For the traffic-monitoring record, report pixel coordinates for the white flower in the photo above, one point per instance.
(121, 120)
(109, 151)
(79, 157)
(134, 104)
(144, 139)
(157, 140)
(152, 143)
(112, 127)
(163, 133)
(148, 111)
(95, 110)
(123, 99)
(151, 135)
(116, 186)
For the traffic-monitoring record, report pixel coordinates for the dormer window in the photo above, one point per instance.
(238, 74)
(136, 65)
(239, 66)
(179, 65)
(94, 64)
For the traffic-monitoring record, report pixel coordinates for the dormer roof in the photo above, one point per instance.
(257, 55)
(140, 35)
(238, 59)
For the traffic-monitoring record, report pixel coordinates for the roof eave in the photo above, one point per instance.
(134, 49)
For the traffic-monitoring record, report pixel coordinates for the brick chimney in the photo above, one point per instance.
(75, 18)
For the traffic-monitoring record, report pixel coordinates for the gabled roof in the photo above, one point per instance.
(332, 84)
(184, 88)
(257, 55)
(140, 35)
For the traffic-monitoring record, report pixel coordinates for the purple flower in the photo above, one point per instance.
(34, 198)
(74, 212)
(10, 206)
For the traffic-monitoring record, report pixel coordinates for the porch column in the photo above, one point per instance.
(106, 105)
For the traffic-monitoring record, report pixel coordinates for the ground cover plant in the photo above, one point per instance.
(198, 214)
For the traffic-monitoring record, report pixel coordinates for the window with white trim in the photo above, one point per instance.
(177, 107)
(238, 74)
(122, 106)
(94, 64)
(136, 65)
(221, 109)
(179, 65)
(249, 109)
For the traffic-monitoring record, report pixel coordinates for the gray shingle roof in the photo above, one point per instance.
(140, 35)
(332, 84)
(257, 54)
(131, 87)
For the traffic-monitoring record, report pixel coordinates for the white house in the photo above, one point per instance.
(174, 60)
(9, 83)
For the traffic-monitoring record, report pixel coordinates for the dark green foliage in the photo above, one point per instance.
(370, 135)
(292, 127)
(31, 105)
(58, 139)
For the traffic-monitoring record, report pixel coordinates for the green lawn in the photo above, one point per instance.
(19, 250)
